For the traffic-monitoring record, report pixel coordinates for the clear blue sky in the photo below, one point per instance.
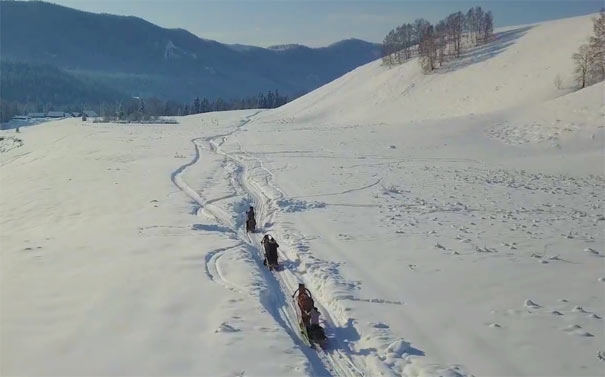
(317, 23)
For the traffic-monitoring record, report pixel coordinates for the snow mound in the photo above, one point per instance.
(224, 327)
(530, 304)
(401, 347)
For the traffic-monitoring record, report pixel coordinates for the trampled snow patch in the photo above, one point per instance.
(294, 205)
(8, 143)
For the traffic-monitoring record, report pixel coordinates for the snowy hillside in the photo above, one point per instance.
(518, 68)
(448, 224)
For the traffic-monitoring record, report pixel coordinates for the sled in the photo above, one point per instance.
(312, 335)
(271, 266)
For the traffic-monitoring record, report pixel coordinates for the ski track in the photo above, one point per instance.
(213, 269)
(341, 192)
(277, 300)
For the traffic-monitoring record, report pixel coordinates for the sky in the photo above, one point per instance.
(318, 23)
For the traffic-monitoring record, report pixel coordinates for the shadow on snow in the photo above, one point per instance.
(484, 52)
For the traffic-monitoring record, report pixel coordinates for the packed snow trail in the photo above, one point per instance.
(285, 280)
(339, 358)
(278, 303)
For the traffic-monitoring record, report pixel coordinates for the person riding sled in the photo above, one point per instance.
(314, 330)
(305, 303)
(270, 246)
(250, 220)
(309, 316)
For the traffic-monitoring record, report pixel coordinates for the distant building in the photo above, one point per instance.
(20, 117)
(36, 115)
(90, 114)
(75, 114)
(55, 114)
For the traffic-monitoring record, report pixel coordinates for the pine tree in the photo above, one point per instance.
(261, 102)
(205, 106)
(196, 106)
(270, 100)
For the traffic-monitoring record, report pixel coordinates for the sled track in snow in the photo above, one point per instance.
(286, 281)
(282, 284)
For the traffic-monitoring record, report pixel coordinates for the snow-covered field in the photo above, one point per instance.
(449, 224)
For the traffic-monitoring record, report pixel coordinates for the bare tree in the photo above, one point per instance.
(399, 44)
(435, 43)
(469, 25)
(441, 41)
(582, 60)
(428, 49)
(455, 25)
(488, 26)
(478, 23)
(597, 48)
(388, 48)
(420, 29)
(409, 40)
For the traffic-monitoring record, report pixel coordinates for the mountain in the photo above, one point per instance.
(140, 58)
(43, 84)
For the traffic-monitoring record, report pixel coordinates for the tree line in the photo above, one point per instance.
(270, 100)
(144, 109)
(134, 109)
(434, 44)
(589, 61)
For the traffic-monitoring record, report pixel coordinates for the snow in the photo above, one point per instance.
(519, 67)
(9, 142)
(107, 270)
(448, 224)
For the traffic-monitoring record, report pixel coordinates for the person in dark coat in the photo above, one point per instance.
(250, 220)
(270, 246)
